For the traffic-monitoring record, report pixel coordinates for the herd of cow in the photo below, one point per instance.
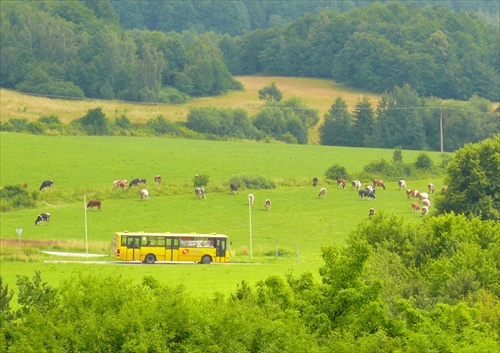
(368, 192)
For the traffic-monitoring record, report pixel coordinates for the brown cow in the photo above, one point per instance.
(415, 206)
(120, 184)
(94, 203)
(158, 179)
(411, 193)
(267, 205)
(372, 212)
(378, 182)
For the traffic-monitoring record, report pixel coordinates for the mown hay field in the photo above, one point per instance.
(316, 93)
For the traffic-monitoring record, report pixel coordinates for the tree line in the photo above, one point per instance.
(79, 49)
(438, 52)
(242, 16)
(400, 120)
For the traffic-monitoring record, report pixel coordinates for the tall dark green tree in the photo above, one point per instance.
(399, 120)
(337, 125)
(363, 127)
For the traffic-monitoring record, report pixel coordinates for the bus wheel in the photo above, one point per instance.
(150, 259)
(206, 259)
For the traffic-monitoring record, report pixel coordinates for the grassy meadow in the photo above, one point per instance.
(298, 219)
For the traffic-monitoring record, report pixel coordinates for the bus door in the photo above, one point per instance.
(220, 250)
(133, 248)
(172, 249)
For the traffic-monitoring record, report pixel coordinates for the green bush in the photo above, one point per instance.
(200, 180)
(336, 171)
(15, 196)
(255, 182)
(424, 162)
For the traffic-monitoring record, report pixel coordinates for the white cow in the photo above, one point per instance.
(322, 193)
(250, 198)
(144, 194)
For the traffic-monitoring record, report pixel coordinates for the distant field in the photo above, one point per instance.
(317, 93)
(298, 220)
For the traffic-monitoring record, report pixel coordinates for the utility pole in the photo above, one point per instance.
(441, 128)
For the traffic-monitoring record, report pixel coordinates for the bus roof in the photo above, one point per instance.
(172, 235)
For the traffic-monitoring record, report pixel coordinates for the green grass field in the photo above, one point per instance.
(299, 219)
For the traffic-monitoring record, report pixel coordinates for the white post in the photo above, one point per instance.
(86, 235)
(250, 217)
(19, 231)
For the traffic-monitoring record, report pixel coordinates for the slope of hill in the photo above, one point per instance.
(317, 93)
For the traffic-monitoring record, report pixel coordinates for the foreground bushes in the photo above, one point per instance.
(394, 287)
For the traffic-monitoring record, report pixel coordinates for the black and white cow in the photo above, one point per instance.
(367, 193)
(234, 188)
(137, 181)
(315, 182)
(200, 193)
(47, 184)
(43, 217)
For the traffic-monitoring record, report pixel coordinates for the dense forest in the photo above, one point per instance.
(242, 16)
(79, 49)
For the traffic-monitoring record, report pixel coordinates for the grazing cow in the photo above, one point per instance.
(250, 199)
(234, 188)
(267, 204)
(322, 193)
(425, 210)
(356, 185)
(94, 203)
(378, 182)
(47, 184)
(444, 188)
(411, 193)
(402, 184)
(426, 202)
(144, 194)
(341, 183)
(367, 193)
(157, 179)
(315, 182)
(137, 181)
(42, 217)
(372, 212)
(200, 193)
(369, 188)
(422, 195)
(431, 188)
(24, 185)
(120, 184)
(415, 207)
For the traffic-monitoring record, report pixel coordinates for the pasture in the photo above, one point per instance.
(299, 219)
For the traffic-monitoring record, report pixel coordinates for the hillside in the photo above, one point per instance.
(317, 93)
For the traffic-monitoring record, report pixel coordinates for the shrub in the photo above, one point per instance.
(200, 180)
(15, 196)
(161, 126)
(252, 182)
(336, 171)
(424, 162)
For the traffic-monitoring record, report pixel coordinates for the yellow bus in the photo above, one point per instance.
(153, 247)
